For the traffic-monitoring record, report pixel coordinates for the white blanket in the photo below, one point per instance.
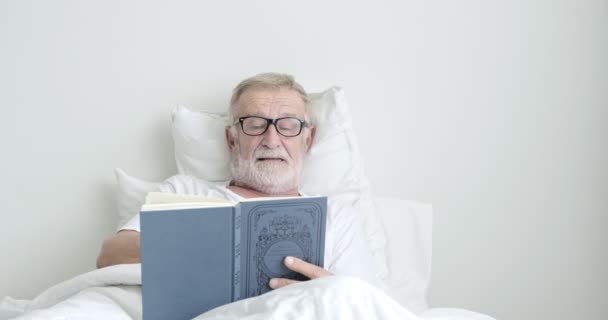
(108, 293)
(114, 293)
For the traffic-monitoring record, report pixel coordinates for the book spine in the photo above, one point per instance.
(236, 281)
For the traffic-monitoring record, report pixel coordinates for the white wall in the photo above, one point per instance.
(494, 111)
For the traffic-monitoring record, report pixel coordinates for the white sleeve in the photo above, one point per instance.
(350, 252)
(132, 224)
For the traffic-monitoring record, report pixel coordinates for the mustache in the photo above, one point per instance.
(277, 153)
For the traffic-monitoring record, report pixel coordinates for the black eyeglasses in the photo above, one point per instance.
(287, 126)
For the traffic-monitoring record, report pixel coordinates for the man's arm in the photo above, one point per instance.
(121, 248)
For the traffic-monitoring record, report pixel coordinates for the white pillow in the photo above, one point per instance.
(334, 165)
(408, 226)
(130, 196)
(200, 144)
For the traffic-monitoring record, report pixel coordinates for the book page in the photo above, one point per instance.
(163, 200)
(277, 198)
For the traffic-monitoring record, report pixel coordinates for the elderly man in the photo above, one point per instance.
(268, 137)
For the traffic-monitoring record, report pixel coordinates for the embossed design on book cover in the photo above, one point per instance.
(277, 231)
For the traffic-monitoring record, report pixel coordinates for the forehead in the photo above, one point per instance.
(271, 102)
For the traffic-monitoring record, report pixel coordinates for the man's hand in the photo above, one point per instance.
(302, 267)
(123, 247)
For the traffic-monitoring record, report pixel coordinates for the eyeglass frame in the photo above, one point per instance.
(303, 124)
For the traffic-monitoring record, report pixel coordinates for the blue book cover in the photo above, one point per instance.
(200, 255)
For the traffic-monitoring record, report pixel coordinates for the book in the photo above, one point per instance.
(200, 253)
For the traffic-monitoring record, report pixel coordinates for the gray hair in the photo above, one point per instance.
(268, 80)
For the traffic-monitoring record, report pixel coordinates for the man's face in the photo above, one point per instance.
(271, 162)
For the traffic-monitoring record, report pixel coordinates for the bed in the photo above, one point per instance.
(398, 231)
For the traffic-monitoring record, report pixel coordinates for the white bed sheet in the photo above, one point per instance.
(114, 293)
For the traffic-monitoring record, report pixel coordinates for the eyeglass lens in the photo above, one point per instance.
(288, 127)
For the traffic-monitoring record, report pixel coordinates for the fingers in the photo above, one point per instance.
(276, 283)
(307, 269)
(300, 266)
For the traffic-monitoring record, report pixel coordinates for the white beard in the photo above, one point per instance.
(267, 176)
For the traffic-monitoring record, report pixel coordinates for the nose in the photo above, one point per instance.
(271, 138)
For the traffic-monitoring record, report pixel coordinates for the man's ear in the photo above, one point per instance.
(229, 138)
(311, 137)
